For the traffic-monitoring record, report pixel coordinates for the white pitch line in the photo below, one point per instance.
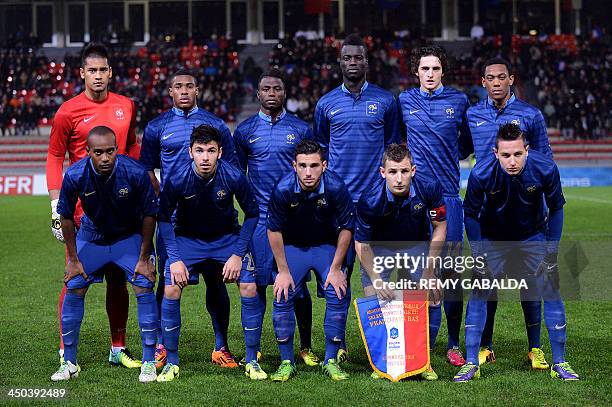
(589, 199)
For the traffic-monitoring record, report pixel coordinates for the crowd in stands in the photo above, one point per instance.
(566, 77)
(32, 86)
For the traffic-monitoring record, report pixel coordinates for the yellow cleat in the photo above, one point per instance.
(169, 373)
(285, 371)
(342, 356)
(124, 358)
(253, 371)
(485, 356)
(536, 359)
(309, 358)
(429, 375)
(334, 371)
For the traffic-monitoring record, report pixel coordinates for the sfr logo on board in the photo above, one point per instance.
(16, 185)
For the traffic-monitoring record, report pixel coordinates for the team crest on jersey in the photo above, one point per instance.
(450, 113)
(532, 188)
(119, 114)
(290, 138)
(221, 194)
(321, 202)
(123, 192)
(418, 206)
(516, 122)
(372, 108)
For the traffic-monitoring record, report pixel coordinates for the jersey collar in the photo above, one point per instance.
(348, 92)
(491, 104)
(268, 119)
(207, 181)
(434, 93)
(101, 175)
(298, 189)
(181, 113)
(392, 198)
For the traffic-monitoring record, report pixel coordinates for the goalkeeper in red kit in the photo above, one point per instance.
(95, 106)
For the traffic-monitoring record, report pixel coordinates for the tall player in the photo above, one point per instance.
(117, 227)
(265, 143)
(436, 127)
(501, 106)
(204, 238)
(400, 207)
(310, 226)
(165, 145)
(355, 122)
(507, 198)
(95, 106)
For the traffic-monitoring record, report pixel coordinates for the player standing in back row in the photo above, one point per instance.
(95, 106)
(355, 122)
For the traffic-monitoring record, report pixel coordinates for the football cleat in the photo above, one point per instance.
(61, 356)
(66, 371)
(455, 357)
(309, 358)
(485, 355)
(342, 356)
(243, 361)
(160, 356)
(285, 371)
(223, 358)
(375, 376)
(169, 373)
(253, 371)
(334, 371)
(536, 359)
(468, 372)
(123, 358)
(564, 372)
(429, 375)
(148, 372)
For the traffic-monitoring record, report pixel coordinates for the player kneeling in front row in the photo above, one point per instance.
(120, 208)
(505, 218)
(310, 223)
(205, 239)
(399, 207)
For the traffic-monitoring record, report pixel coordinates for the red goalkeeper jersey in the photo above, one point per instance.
(73, 121)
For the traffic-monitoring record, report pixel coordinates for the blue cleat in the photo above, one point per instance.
(468, 372)
(564, 372)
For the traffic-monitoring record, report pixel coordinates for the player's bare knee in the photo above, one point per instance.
(172, 292)
(248, 290)
(141, 290)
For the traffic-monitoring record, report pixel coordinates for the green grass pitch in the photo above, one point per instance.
(32, 264)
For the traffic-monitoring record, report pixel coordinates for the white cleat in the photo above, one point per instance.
(66, 371)
(148, 373)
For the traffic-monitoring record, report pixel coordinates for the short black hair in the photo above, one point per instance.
(509, 132)
(496, 61)
(272, 73)
(204, 134)
(354, 39)
(428, 50)
(182, 72)
(308, 147)
(96, 50)
(396, 153)
(101, 131)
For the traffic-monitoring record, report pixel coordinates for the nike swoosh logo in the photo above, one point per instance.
(148, 330)
(560, 327)
(494, 192)
(90, 193)
(254, 140)
(414, 111)
(85, 120)
(172, 329)
(333, 112)
(190, 196)
(166, 136)
(293, 205)
(68, 333)
(478, 124)
(251, 329)
(552, 266)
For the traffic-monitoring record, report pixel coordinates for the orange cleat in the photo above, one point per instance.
(223, 358)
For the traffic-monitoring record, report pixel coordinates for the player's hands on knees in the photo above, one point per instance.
(231, 269)
(282, 283)
(56, 224)
(179, 274)
(146, 268)
(434, 294)
(337, 279)
(74, 268)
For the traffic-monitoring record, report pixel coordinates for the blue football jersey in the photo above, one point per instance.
(165, 143)
(309, 219)
(113, 205)
(484, 120)
(266, 151)
(356, 128)
(435, 127)
(513, 207)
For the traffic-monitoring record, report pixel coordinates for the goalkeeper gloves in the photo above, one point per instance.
(56, 225)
